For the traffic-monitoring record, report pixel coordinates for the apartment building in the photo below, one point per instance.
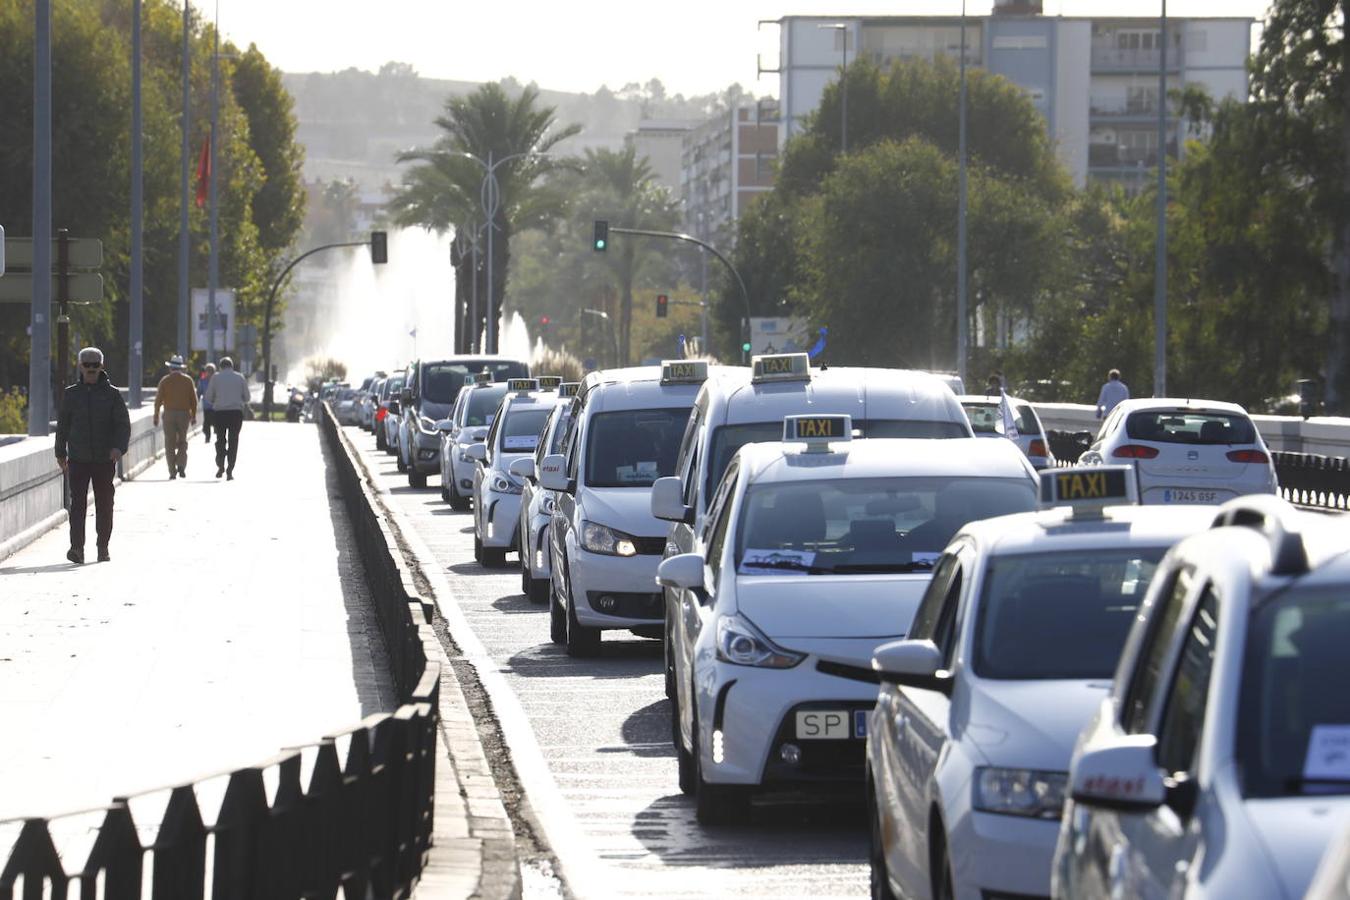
(1095, 80)
(727, 162)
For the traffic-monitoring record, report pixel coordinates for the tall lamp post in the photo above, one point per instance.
(840, 30)
(962, 339)
(1160, 250)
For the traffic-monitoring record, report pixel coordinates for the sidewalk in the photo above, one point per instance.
(232, 621)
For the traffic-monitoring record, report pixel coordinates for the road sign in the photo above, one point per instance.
(84, 253)
(84, 287)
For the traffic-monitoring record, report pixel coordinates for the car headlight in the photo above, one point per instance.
(549, 505)
(741, 644)
(426, 424)
(503, 485)
(601, 539)
(1020, 792)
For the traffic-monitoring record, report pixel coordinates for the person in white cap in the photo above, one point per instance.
(177, 398)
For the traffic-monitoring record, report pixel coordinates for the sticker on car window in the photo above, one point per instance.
(776, 562)
(638, 472)
(520, 443)
(924, 557)
(1328, 756)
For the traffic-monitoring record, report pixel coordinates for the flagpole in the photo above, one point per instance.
(184, 241)
(213, 274)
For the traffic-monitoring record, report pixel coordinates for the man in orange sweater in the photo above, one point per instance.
(177, 397)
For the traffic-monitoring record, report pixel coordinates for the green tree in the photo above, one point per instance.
(279, 205)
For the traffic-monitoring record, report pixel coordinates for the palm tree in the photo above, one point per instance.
(444, 189)
(627, 193)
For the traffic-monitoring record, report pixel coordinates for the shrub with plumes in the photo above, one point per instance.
(551, 361)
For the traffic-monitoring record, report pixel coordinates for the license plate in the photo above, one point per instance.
(1181, 495)
(831, 724)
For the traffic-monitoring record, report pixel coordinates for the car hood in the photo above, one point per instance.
(831, 606)
(1295, 832)
(1031, 724)
(626, 509)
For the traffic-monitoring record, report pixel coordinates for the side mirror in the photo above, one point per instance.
(684, 571)
(477, 452)
(668, 500)
(1121, 773)
(445, 426)
(915, 664)
(393, 407)
(523, 468)
(405, 395)
(553, 473)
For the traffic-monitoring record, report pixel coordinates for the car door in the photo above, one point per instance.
(919, 725)
(565, 504)
(482, 473)
(680, 536)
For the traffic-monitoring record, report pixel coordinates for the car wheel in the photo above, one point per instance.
(716, 804)
(879, 878)
(582, 640)
(402, 466)
(494, 557)
(458, 503)
(557, 617)
(941, 869)
(669, 659)
(379, 440)
(445, 493)
(477, 550)
(416, 479)
(539, 591)
(684, 760)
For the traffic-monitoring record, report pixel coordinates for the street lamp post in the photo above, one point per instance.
(135, 366)
(1160, 249)
(841, 31)
(962, 339)
(184, 240)
(212, 164)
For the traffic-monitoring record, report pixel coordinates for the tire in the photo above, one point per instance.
(416, 479)
(878, 877)
(684, 760)
(583, 641)
(402, 466)
(379, 439)
(716, 804)
(941, 868)
(445, 493)
(539, 592)
(477, 550)
(458, 503)
(494, 557)
(557, 617)
(668, 657)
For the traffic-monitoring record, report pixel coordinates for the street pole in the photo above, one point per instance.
(490, 211)
(213, 271)
(40, 351)
(473, 297)
(962, 339)
(843, 86)
(135, 365)
(1160, 249)
(184, 240)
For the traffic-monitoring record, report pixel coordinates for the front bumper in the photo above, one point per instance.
(996, 855)
(501, 520)
(425, 458)
(535, 554)
(625, 578)
(461, 472)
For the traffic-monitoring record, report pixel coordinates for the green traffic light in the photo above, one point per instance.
(599, 245)
(745, 348)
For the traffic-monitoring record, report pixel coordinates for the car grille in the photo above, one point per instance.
(627, 605)
(853, 673)
(650, 546)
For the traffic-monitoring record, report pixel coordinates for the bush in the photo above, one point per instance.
(12, 417)
(548, 361)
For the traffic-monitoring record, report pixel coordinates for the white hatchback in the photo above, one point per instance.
(537, 503)
(1185, 451)
(470, 419)
(496, 492)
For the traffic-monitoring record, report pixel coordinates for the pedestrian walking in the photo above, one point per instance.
(1112, 393)
(202, 381)
(92, 434)
(176, 396)
(228, 396)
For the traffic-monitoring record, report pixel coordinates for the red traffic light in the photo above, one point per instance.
(662, 306)
(543, 320)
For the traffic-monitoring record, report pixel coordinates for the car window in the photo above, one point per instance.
(690, 476)
(1190, 427)
(482, 405)
(719, 528)
(632, 448)
(986, 419)
(1184, 714)
(441, 382)
(491, 439)
(949, 623)
(926, 618)
(1161, 629)
(1108, 426)
(520, 430)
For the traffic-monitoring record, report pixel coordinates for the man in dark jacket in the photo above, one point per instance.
(92, 434)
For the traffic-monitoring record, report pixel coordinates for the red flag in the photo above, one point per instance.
(203, 172)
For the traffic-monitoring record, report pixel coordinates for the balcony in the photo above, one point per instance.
(1126, 159)
(1109, 58)
(1119, 108)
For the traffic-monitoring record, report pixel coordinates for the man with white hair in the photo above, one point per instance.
(227, 395)
(92, 434)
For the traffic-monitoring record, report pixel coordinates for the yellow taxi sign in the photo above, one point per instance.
(780, 367)
(522, 384)
(484, 377)
(549, 382)
(568, 389)
(818, 429)
(684, 371)
(1088, 487)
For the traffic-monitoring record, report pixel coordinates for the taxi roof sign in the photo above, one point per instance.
(818, 432)
(484, 377)
(684, 371)
(522, 384)
(1087, 489)
(568, 389)
(780, 367)
(549, 382)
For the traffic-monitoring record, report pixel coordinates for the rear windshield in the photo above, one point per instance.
(984, 418)
(483, 403)
(1190, 427)
(730, 438)
(633, 448)
(860, 525)
(520, 431)
(1060, 615)
(441, 381)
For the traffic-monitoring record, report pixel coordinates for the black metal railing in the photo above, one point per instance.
(350, 815)
(1310, 479)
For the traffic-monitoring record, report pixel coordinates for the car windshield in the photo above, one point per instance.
(483, 403)
(730, 438)
(1190, 427)
(392, 387)
(520, 431)
(346, 394)
(1293, 727)
(441, 381)
(858, 525)
(1059, 615)
(633, 448)
(984, 418)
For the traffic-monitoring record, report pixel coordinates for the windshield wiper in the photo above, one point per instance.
(917, 566)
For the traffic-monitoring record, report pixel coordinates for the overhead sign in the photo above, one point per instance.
(81, 287)
(779, 334)
(81, 253)
(224, 324)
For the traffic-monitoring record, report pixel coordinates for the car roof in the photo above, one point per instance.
(637, 387)
(1174, 403)
(989, 398)
(888, 457)
(863, 392)
(1056, 530)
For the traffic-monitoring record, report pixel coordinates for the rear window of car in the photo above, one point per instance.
(984, 418)
(1190, 427)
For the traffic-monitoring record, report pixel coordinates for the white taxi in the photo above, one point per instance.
(1219, 763)
(604, 541)
(469, 421)
(745, 405)
(537, 502)
(986, 417)
(1185, 451)
(496, 492)
(1013, 646)
(817, 549)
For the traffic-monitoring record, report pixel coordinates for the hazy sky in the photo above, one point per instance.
(693, 46)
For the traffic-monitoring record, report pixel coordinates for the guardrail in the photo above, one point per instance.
(351, 812)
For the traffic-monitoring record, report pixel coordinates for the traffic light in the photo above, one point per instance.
(601, 235)
(379, 247)
(543, 325)
(662, 306)
(745, 347)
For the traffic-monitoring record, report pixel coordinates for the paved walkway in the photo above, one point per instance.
(232, 621)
